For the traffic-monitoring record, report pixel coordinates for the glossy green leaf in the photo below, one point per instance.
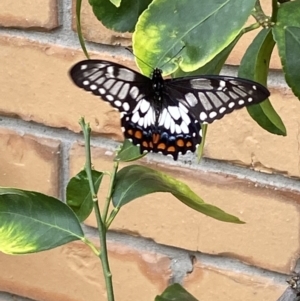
(129, 152)
(200, 26)
(175, 292)
(292, 55)
(287, 35)
(120, 18)
(135, 181)
(32, 222)
(255, 66)
(79, 197)
(214, 66)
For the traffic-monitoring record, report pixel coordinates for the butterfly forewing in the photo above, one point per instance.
(120, 86)
(211, 97)
(165, 116)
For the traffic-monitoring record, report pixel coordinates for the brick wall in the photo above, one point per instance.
(155, 240)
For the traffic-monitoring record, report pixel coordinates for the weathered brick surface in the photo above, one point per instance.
(39, 77)
(38, 14)
(94, 31)
(269, 239)
(41, 85)
(238, 139)
(73, 272)
(211, 284)
(29, 162)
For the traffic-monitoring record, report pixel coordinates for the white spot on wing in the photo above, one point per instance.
(191, 99)
(126, 106)
(231, 105)
(212, 114)
(203, 116)
(184, 128)
(174, 111)
(144, 106)
(222, 110)
(135, 117)
(117, 103)
(178, 129)
(134, 92)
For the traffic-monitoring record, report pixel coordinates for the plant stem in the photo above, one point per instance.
(260, 16)
(250, 27)
(78, 27)
(274, 11)
(110, 192)
(101, 227)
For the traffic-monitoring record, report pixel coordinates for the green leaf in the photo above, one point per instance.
(135, 181)
(287, 35)
(120, 18)
(116, 3)
(292, 55)
(255, 66)
(214, 66)
(79, 196)
(129, 152)
(175, 292)
(201, 26)
(33, 222)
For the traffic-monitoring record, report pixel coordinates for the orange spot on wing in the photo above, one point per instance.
(138, 135)
(171, 149)
(155, 138)
(145, 144)
(130, 132)
(161, 146)
(180, 143)
(189, 144)
(150, 144)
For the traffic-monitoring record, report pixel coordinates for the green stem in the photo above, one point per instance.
(112, 216)
(110, 191)
(78, 27)
(250, 27)
(91, 245)
(101, 227)
(260, 16)
(274, 11)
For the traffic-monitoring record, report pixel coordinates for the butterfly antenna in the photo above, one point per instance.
(173, 56)
(128, 49)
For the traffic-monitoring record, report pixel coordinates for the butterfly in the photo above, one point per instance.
(165, 115)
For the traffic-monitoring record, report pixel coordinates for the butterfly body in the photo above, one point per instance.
(165, 115)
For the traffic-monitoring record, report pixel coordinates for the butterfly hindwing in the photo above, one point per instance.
(173, 132)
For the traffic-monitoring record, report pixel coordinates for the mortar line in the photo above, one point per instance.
(275, 181)
(221, 262)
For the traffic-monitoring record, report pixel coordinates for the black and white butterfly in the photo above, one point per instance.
(165, 115)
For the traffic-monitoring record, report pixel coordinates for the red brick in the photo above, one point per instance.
(40, 14)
